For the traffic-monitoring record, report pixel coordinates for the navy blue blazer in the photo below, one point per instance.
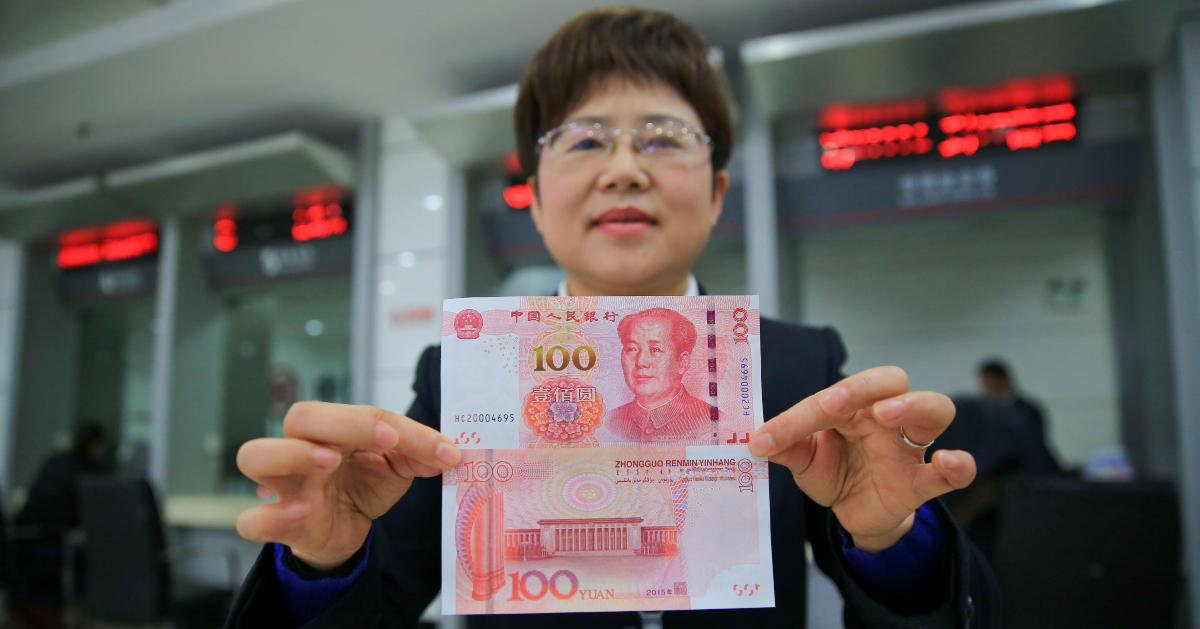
(403, 572)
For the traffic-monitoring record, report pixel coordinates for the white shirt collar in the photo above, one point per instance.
(693, 287)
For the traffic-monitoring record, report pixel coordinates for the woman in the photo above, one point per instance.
(626, 212)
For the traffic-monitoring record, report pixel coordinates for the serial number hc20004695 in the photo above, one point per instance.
(485, 418)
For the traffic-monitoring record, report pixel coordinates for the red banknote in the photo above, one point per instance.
(606, 460)
(587, 372)
(604, 529)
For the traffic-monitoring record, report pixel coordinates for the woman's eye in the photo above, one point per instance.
(585, 144)
(661, 143)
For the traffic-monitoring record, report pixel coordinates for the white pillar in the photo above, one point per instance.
(12, 271)
(410, 260)
(162, 368)
(364, 296)
(762, 238)
(1176, 92)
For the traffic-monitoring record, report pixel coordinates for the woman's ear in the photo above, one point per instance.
(535, 208)
(720, 187)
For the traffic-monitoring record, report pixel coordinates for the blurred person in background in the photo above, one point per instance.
(624, 135)
(996, 383)
(50, 511)
(1007, 435)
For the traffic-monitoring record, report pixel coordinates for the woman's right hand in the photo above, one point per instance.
(337, 468)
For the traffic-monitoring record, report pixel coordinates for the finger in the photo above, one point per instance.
(402, 465)
(264, 459)
(419, 442)
(271, 522)
(923, 414)
(340, 426)
(828, 409)
(349, 428)
(949, 470)
(420, 469)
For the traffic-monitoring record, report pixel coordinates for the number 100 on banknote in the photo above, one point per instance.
(600, 372)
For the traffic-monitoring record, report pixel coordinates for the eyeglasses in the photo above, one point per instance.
(667, 142)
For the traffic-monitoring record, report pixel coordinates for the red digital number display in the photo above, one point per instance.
(225, 233)
(122, 240)
(1018, 114)
(318, 214)
(315, 213)
(518, 196)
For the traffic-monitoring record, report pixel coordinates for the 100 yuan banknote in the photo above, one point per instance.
(520, 372)
(598, 529)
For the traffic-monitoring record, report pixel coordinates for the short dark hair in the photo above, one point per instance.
(88, 432)
(995, 368)
(683, 331)
(642, 45)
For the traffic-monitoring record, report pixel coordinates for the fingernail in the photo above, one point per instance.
(448, 454)
(951, 462)
(324, 457)
(762, 444)
(889, 409)
(834, 400)
(385, 436)
(295, 510)
(264, 492)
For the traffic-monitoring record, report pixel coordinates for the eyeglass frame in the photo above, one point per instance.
(544, 139)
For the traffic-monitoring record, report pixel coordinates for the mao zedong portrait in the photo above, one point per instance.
(656, 348)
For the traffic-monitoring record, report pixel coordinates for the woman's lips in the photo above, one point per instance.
(624, 221)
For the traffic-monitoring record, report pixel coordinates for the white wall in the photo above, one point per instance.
(937, 296)
(410, 260)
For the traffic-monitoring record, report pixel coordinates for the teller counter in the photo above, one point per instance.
(203, 527)
(205, 546)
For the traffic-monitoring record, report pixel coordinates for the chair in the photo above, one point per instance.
(1087, 554)
(126, 573)
(16, 539)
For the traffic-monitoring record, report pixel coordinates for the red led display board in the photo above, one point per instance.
(315, 214)
(318, 214)
(122, 240)
(225, 230)
(959, 121)
(518, 196)
(319, 220)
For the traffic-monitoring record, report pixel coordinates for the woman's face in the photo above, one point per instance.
(622, 223)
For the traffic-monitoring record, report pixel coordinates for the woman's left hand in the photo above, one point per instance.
(844, 448)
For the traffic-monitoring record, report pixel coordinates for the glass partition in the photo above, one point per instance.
(285, 342)
(262, 322)
(115, 377)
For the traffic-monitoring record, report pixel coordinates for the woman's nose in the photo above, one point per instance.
(622, 167)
